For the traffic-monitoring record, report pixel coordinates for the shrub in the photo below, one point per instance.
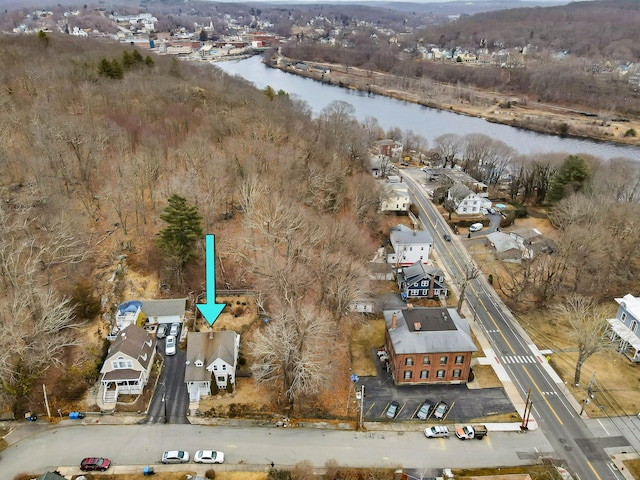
(303, 470)
(210, 474)
(630, 133)
(275, 474)
(331, 466)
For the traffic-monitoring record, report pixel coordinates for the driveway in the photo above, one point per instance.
(170, 402)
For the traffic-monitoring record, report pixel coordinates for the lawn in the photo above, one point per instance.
(364, 339)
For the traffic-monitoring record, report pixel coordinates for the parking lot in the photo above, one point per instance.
(465, 404)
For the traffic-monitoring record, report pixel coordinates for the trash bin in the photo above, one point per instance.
(73, 415)
(148, 471)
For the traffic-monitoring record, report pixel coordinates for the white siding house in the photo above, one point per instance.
(395, 198)
(624, 328)
(210, 355)
(409, 246)
(164, 311)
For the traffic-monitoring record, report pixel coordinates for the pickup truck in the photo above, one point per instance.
(471, 431)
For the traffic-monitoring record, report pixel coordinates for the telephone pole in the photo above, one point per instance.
(589, 393)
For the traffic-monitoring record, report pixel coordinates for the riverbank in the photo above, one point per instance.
(514, 111)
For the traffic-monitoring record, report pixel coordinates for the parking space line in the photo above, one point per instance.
(369, 409)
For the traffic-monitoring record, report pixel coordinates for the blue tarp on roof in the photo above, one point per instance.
(131, 306)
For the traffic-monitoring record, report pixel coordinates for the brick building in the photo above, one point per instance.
(428, 345)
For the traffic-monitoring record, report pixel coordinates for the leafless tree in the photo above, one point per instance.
(447, 147)
(470, 271)
(292, 352)
(588, 324)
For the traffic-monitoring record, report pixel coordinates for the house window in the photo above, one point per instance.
(421, 248)
(459, 359)
(456, 373)
(411, 249)
(224, 367)
(623, 317)
(440, 374)
(443, 360)
(424, 374)
(215, 367)
(634, 326)
(221, 379)
(408, 374)
(408, 361)
(426, 360)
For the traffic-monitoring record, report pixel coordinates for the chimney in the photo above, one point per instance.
(394, 320)
(210, 334)
(417, 326)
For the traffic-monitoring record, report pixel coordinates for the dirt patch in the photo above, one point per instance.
(633, 466)
(485, 377)
(248, 398)
(364, 339)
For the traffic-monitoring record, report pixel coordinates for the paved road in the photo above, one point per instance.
(144, 444)
(553, 411)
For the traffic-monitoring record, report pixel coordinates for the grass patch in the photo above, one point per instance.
(486, 377)
(365, 337)
(633, 466)
(537, 472)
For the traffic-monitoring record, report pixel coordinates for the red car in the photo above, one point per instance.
(95, 463)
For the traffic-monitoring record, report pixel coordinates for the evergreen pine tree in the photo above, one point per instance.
(184, 229)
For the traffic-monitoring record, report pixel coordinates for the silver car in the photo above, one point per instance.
(438, 431)
(175, 456)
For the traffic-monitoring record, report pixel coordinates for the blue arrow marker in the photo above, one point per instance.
(211, 310)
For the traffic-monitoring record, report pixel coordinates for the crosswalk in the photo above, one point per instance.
(519, 359)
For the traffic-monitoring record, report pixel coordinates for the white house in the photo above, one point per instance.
(164, 311)
(127, 367)
(409, 246)
(624, 328)
(210, 355)
(395, 198)
(465, 201)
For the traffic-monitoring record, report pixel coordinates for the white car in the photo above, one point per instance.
(208, 456)
(175, 456)
(170, 345)
(476, 227)
(436, 432)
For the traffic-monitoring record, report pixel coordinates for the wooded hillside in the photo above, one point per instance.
(95, 137)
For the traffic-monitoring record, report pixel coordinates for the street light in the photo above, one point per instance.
(361, 403)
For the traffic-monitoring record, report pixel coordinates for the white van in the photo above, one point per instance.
(476, 227)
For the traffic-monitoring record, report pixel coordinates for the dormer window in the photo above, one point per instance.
(199, 363)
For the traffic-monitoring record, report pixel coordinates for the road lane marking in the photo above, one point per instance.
(593, 470)
(543, 397)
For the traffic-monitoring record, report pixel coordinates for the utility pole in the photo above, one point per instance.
(46, 402)
(589, 393)
(527, 411)
(361, 404)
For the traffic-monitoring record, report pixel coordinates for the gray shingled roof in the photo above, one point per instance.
(417, 272)
(459, 191)
(167, 307)
(135, 342)
(407, 237)
(440, 330)
(200, 346)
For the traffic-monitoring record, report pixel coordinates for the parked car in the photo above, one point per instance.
(161, 332)
(175, 456)
(447, 237)
(208, 456)
(425, 409)
(491, 210)
(441, 410)
(392, 410)
(438, 431)
(170, 345)
(94, 463)
(175, 329)
(476, 227)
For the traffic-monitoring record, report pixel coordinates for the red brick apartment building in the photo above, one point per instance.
(428, 345)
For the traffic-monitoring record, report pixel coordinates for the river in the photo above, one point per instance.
(425, 121)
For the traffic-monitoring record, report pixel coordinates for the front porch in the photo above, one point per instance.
(112, 387)
(628, 342)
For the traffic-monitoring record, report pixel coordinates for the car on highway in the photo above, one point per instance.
(175, 456)
(425, 409)
(90, 464)
(447, 237)
(441, 410)
(208, 456)
(476, 227)
(392, 410)
(170, 345)
(438, 431)
(161, 332)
